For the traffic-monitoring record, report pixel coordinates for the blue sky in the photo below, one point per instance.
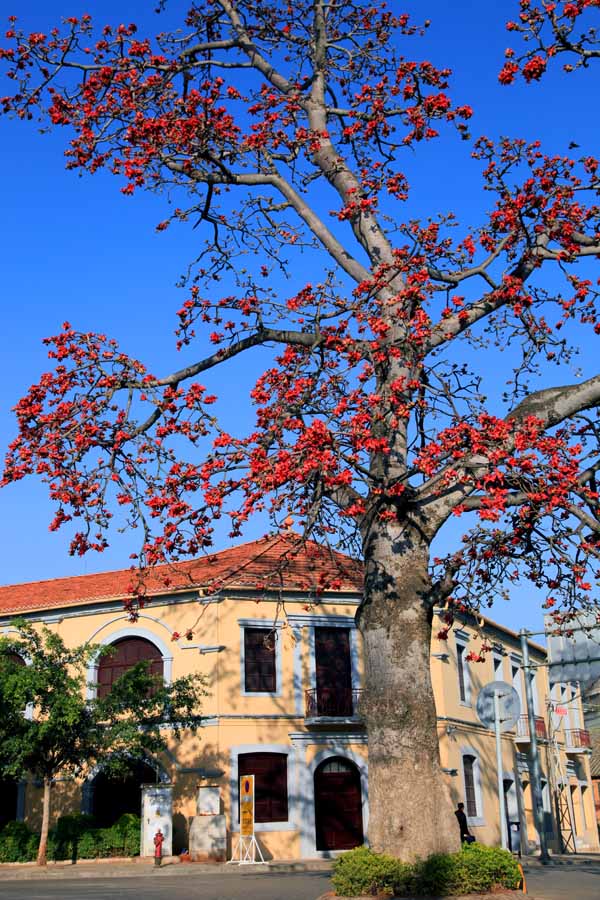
(75, 249)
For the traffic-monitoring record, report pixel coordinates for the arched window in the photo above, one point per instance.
(127, 652)
(270, 784)
(9, 800)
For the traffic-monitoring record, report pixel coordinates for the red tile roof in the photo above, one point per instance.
(271, 562)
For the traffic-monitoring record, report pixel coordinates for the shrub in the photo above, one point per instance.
(361, 871)
(73, 837)
(64, 838)
(129, 827)
(474, 869)
(88, 845)
(121, 839)
(15, 841)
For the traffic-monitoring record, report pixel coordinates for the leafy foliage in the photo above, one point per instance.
(362, 871)
(17, 843)
(474, 869)
(51, 728)
(68, 732)
(74, 837)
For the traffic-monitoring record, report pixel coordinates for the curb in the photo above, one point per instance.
(138, 868)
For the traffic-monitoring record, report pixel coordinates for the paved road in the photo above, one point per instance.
(564, 882)
(201, 886)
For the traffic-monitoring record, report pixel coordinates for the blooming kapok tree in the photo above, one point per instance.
(281, 126)
(567, 31)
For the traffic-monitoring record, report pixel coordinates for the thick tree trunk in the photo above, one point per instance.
(410, 810)
(41, 857)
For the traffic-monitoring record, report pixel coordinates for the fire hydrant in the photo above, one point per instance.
(158, 842)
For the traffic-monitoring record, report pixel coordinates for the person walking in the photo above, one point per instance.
(465, 835)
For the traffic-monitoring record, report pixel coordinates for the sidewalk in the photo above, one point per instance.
(137, 867)
(561, 859)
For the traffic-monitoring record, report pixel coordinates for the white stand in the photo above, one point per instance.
(246, 852)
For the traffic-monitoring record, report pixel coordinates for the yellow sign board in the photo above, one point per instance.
(247, 805)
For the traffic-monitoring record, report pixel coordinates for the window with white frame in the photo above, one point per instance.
(583, 796)
(498, 666)
(260, 658)
(464, 681)
(270, 784)
(260, 665)
(517, 681)
(534, 693)
(547, 807)
(472, 787)
(573, 695)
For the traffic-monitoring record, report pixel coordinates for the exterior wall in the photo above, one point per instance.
(461, 733)
(596, 795)
(234, 721)
(239, 722)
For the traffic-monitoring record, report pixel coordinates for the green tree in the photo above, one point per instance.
(48, 728)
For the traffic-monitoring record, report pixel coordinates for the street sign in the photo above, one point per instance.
(247, 805)
(508, 703)
(247, 849)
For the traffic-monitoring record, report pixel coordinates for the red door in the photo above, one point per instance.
(338, 805)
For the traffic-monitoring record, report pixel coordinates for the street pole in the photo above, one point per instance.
(534, 757)
(500, 773)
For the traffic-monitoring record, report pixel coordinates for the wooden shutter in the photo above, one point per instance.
(470, 793)
(259, 660)
(270, 784)
(128, 652)
(333, 671)
(13, 658)
(460, 661)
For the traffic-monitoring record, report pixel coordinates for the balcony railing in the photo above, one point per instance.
(577, 739)
(329, 703)
(523, 728)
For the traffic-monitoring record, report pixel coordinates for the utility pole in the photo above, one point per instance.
(534, 757)
(504, 841)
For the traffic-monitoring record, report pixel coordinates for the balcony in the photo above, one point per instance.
(577, 740)
(330, 706)
(522, 729)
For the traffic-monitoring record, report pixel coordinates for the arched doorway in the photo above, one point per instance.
(9, 788)
(338, 805)
(9, 800)
(112, 797)
(127, 652)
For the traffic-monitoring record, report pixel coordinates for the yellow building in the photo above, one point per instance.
(284, 673)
